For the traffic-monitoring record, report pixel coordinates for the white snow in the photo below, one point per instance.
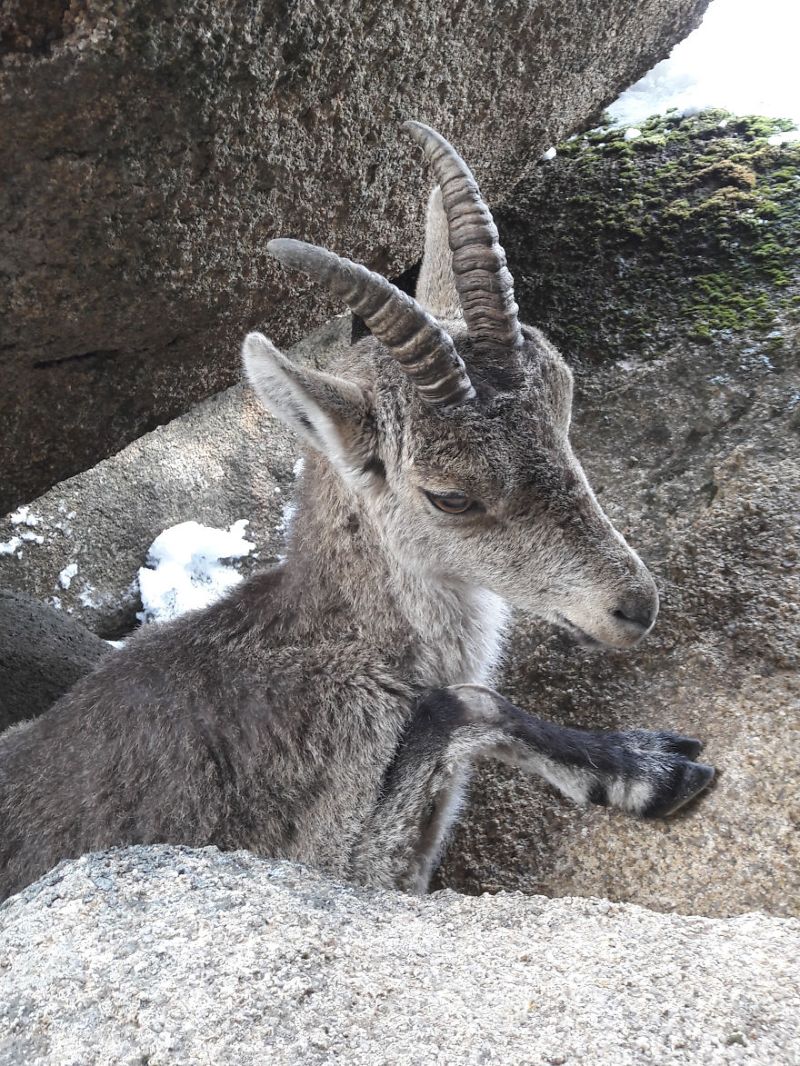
(743, 57)
(8, 547)
(289, 508)
(67, 574)
(288, 512)
(551, 153)
(23, 516)
(87, 596)
(631, 133)
(116, 643)
(784, 138)
(186, 568)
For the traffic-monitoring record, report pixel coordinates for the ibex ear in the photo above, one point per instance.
(331, 414)
(436, 287)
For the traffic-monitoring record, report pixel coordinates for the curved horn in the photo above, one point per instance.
(483, 281)
(418, 343)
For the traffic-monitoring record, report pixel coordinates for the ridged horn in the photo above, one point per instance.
(483, 281)
(416, 340)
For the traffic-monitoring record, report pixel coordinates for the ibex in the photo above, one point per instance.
(329, 710)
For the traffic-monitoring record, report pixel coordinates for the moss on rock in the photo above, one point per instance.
(688, 230)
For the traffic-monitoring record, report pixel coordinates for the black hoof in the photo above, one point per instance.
(685, 781)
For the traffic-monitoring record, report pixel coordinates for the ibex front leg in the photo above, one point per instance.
(650, 774)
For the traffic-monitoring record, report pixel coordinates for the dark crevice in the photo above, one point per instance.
(101, 353)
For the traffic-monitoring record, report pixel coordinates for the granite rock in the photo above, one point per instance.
(172, 956)
(43, 652)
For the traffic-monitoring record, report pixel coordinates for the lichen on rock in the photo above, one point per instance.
(689, 230)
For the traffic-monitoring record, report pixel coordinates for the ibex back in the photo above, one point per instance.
(329, 710)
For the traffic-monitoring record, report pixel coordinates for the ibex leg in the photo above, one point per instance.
(650, 774)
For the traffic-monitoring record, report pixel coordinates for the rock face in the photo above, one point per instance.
(42, 654)
(134, 237)
(626, 245)
(693, 450)
(167, 955)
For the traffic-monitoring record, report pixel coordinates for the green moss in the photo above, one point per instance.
(618, 149)
(690, 229)
(650, 143)
(728, 172)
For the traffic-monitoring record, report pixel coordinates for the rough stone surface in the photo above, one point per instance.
(133, 237)
(690, 230)
(42, 654)
(172, 956)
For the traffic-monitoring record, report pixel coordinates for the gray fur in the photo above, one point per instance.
(303, 716)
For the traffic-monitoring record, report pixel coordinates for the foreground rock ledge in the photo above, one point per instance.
(172, 955)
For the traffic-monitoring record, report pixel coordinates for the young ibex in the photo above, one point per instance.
(329, 710)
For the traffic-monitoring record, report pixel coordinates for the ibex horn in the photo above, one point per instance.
(415, 339)
(483, 281)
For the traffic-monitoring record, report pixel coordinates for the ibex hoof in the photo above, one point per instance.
(683, 781)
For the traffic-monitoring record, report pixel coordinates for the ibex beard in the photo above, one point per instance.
(330, 710)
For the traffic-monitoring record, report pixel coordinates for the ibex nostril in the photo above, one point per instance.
(637, 613)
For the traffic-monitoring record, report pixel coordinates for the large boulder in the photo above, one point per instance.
(148, 151)
(43, 652)
(693, 449)
(168, 955)
(686, 228)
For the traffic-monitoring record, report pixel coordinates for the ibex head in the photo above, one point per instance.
(453, 428)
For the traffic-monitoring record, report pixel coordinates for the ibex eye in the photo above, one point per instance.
(452, 502)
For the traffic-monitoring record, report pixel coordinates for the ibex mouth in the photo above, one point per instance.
(580, 636)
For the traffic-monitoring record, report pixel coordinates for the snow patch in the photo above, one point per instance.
(9, 547)
(741, 58)
(288, 512)
(87, 596)
(116, 643)
(551, 153)
(67, 574)
(23, 517)
(186, 568)
(631, 133)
